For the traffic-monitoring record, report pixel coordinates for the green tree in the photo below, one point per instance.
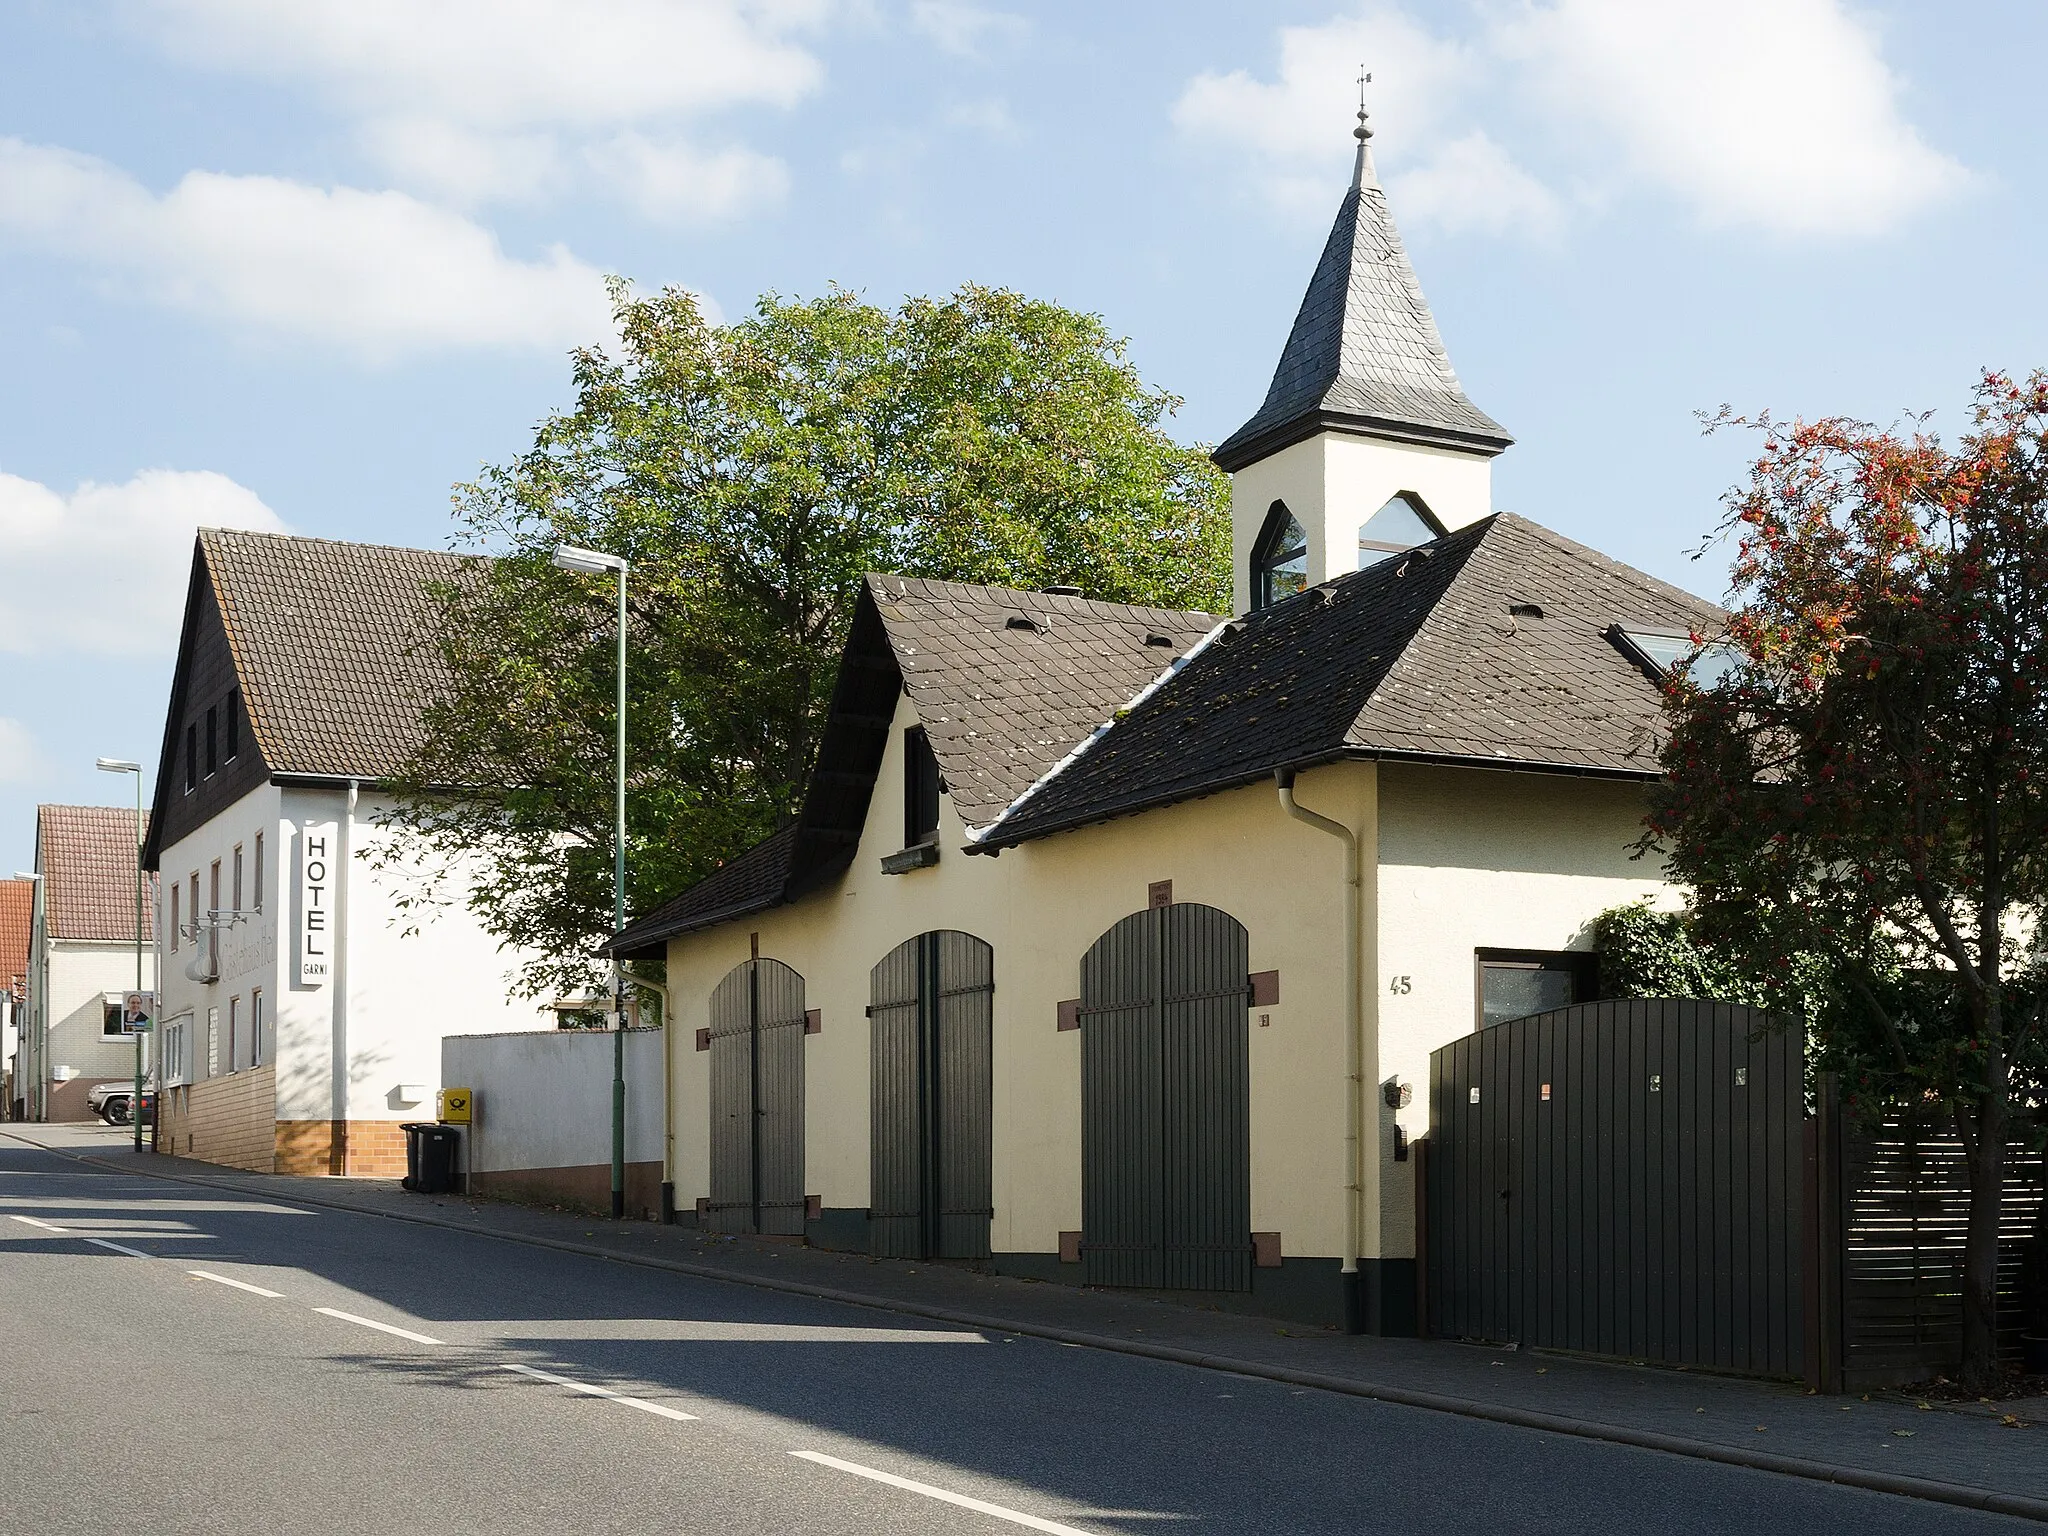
(753, 473)
(1865, 793)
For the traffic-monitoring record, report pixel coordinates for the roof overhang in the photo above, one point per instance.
(1246, 446)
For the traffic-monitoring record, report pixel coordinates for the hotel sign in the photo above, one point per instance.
(317, 854)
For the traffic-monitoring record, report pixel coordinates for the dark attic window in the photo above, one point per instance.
(920, 789)
(212, 741)
(1279, 559)
(234, 724)
(191, 758)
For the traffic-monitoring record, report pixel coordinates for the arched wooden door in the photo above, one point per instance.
(930, 1003)
(757, 1100)
(1165, 1102)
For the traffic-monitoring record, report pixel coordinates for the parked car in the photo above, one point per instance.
(111, 1102)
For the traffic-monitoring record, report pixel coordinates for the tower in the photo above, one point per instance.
(1366, 443)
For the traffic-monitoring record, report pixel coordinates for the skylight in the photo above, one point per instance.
(1661, 652)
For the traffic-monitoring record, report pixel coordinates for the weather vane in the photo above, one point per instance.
(1362, 132)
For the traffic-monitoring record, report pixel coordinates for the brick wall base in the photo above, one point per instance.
(222, 1120)
(365, 1148)
(582, 1188)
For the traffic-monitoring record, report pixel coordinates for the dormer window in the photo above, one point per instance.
(1664, 652)
(1401, 524)
(1279, 559)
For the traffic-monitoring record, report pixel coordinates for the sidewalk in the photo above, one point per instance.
(1963, 1456)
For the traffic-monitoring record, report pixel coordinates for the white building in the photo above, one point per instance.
(303, 1007)
(82, 959)
(17, 910)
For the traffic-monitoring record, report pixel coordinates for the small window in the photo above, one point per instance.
(234, 1031)
(176, 891)
(213, 1042)
(921, 789)
(192, 912)
(212, 928)
(1401, 524)
(1516, 983)
(112, 1024)
(256, 877)
(256, 1028)
(191, 758)
(1661, 652)
(212, 742)
(1279, 559)
(235, 888)
(234, 724)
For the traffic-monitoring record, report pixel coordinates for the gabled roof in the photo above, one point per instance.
(1364, 355)
(86, 856)
(332, 645)
(1005, 683)
(1422, 656)
(17, 908)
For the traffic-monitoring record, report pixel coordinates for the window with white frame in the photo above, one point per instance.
(177, 1052)
(213, 1042)
(256, 1016)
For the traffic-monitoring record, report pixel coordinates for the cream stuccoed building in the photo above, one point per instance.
(304, 997)
(1110, 944)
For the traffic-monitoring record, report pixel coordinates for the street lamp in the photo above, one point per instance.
(592, 562)
(38, 986)
(122, 765)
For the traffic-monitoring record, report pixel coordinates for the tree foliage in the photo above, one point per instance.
(753, 473)
(1865, 793)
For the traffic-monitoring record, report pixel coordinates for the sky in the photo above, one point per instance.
(308, 264)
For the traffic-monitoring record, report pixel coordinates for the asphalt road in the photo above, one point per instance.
(172, 1361)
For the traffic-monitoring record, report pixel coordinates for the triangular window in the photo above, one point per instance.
(1402, 523)
(1279, 559)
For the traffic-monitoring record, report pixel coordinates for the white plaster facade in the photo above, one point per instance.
(345, 1049)
(66, 1047)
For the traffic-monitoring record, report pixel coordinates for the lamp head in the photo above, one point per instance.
(117, 765)
(26, 874)
(590, 561)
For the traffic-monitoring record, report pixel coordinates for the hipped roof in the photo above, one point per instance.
(86, 856)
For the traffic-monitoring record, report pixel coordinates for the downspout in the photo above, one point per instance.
(668, 1089)
(1354, 1050)
(338, 1067)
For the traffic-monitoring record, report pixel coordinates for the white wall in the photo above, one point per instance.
(544, 1099)
(82, 972)
(399, 981)
(1333, 482)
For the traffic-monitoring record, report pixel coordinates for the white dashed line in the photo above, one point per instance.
(240, 1285)
(371, 1322)
(1015, 1517)
(592, 1391)
(44, 1225)
(133, 1253)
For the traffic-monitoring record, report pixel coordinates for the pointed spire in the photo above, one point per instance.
(1364, 356)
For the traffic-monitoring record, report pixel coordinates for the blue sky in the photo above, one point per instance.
(307, 263)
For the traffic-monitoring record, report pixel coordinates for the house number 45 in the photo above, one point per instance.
(1399, 986)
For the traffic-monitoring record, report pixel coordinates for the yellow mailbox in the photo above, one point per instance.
(454, 1106)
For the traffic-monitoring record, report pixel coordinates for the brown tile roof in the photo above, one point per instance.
(1005, 683)
(1002, 703)
(1418, 656)
(331, 644)
(86, 856)
(17, 906)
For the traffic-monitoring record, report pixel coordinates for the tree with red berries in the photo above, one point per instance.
(1865, 788)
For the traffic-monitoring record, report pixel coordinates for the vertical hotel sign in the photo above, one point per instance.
(317, 853)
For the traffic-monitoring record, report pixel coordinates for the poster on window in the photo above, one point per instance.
(138, 1009)
(317, 853)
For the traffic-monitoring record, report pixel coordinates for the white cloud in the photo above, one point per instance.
(964, 29)
(483, 100)
(97, 572)
(20, 761)
(1774, 114)
(375, 273)
(677, 182)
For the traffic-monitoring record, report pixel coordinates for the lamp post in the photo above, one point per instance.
(31, 1037)
(592, 562)
(122, 765)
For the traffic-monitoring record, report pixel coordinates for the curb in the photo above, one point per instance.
(1931, 1490)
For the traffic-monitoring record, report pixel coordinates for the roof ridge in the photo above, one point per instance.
(1050, 600)
(1620, 568)
(272, 535)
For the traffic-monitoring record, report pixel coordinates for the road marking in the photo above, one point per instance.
(133, 1253)
(594, 1391)
(1015, 1517)
(371, 1322)
(240, 1285)
(42, 1224)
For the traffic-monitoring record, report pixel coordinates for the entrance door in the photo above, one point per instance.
(930, 1007)
(1165, 1102)
(757, 1100)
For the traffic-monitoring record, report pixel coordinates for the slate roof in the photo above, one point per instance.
(1417, 657)
(86, 856)
(1364, 353)
(17, 908)
(1002, 701)
(331, 646)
